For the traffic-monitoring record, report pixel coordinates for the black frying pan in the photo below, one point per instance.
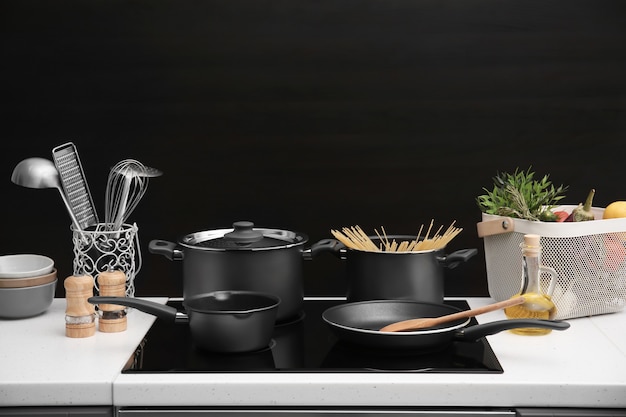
(360, 322)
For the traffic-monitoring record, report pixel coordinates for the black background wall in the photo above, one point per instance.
(308, 114)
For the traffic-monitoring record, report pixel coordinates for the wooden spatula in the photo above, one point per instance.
(422, 323)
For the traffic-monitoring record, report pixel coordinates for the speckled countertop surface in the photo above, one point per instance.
(39, 365)
(584, 366)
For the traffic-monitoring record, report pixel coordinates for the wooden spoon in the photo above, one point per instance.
(416, 324)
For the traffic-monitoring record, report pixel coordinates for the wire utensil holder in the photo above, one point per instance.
(102, 249)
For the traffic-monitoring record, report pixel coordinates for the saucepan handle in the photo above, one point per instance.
(159, 310)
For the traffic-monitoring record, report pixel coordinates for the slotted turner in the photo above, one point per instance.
(74, 184)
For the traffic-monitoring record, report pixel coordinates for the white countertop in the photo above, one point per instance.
(584, 366)
(39, 365)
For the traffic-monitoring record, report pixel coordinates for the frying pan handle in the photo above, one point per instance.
(159, 310)
(476, 332)
(453, 260)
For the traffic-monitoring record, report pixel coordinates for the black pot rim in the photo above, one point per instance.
(269, 302)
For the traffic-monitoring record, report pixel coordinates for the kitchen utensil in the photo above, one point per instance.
(145, 171)
(126, 185)
(422, 323)
(74, 184)
(41, 173)
(417, 276)
(29, 281)
(221, 321)
(24, 265)
(243, 258)
(359, 323)
(23, 302)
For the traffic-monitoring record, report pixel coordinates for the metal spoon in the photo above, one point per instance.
(416, 324)
(41, 173)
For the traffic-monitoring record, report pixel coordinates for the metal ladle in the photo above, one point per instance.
(41, 173)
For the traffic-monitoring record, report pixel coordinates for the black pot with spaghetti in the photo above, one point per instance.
(393, 267)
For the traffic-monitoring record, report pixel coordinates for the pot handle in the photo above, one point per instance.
(453, 260)
(159, 310)
(474, 333)
(324, 245)
(165, 248)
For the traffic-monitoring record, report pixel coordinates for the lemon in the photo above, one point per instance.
(615, 210)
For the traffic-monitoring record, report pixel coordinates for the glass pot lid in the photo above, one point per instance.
(244, 236)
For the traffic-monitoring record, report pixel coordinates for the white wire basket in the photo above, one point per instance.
(101, 249)
(589, 258)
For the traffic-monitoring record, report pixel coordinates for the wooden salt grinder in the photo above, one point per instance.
(112, 318)
(80, 316)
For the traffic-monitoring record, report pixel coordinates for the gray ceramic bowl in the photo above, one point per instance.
(19, 303)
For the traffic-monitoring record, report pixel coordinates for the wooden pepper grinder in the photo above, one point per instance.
(112, 318)
(80, 316)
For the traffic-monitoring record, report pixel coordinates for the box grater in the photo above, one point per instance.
(74, 184)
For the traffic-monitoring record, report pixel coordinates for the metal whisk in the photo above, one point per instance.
(126, 186)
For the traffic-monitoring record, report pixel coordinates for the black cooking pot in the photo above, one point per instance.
(243, 258)
(417, 276)
(221, 321)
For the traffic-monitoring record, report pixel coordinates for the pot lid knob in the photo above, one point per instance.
(243, 233)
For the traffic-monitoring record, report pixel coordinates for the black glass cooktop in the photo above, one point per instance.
(305, 344)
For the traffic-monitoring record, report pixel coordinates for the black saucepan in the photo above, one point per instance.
(359, 323)
(220, 321)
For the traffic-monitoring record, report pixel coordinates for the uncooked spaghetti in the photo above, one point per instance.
(355, 238)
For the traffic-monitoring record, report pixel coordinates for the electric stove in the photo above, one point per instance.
(305, 344)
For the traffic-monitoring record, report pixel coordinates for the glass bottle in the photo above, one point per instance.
(538, 304)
